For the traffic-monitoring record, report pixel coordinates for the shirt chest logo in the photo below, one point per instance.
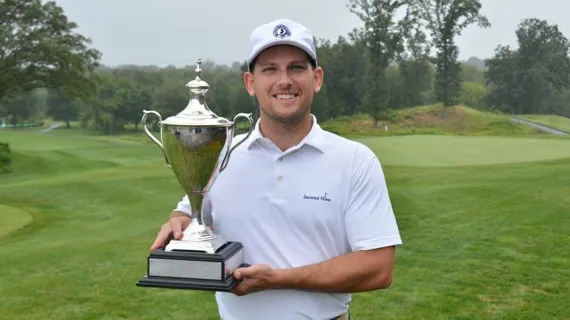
(317, 198)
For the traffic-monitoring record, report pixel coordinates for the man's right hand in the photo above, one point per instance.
(177, 222)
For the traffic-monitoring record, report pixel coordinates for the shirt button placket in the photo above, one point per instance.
(278, 177)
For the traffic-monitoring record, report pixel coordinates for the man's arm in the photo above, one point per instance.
(354, 272)
(183, 206)
(372, 234)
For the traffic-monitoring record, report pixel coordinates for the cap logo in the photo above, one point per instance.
(281, 31)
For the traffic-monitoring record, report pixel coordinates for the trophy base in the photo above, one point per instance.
(193, 270)
(188, 284)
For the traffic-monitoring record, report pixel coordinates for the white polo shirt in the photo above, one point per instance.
(323, 198)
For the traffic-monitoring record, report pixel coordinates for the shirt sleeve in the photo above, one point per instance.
(184, 206)
(369, 218)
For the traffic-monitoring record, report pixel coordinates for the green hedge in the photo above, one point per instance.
(5, 157)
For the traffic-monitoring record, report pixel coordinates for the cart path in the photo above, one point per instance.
(539, 126)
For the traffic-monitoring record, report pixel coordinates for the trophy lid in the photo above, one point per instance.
(197, 113)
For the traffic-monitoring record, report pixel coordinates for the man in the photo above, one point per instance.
(311, 208)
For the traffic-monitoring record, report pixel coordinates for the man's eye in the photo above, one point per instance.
(298, 68)
(269, 69)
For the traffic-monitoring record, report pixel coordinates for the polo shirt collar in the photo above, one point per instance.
(315, 138)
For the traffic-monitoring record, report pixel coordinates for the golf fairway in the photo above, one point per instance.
(443, 151)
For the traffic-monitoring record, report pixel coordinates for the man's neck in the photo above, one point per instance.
(285, 135)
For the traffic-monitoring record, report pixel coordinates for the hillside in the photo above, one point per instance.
(461, 120)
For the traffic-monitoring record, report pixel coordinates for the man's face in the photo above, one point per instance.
(284, 82)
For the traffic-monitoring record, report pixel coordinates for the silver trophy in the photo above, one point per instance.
(197, 145)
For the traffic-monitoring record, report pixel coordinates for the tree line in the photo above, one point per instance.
(388, 64)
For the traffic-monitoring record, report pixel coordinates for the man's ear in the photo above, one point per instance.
(248, 82)
(319, 75)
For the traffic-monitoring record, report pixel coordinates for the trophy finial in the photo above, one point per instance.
(197, 112)
(198, 69)
(198, 86)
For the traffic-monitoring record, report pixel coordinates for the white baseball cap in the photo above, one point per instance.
(281, 31)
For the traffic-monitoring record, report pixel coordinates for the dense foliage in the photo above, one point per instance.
(388, 64)
(39, 49)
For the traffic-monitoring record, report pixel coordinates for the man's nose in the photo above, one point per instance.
(284, 79)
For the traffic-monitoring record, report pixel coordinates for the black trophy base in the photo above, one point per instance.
(188, 284)
(192, 270)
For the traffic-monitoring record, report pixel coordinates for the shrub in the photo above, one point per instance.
(5, 157)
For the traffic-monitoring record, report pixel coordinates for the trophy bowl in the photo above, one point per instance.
(196, 145)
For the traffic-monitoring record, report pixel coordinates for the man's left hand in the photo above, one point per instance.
(255, 278)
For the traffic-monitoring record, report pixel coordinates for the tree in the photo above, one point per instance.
(532, 78)
(383, 38)
(415, 69)
(38, 48)
(19, 107)
(446, 19)
(473, 94)
(343, 82)
(60, 108)
(502, 77)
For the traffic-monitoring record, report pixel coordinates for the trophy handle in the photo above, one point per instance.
(150, 135)
(249, 118)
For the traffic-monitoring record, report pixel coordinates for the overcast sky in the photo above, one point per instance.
(177, 32)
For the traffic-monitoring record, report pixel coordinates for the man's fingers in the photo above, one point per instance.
(245, 272)
(176, 227)
(161, 238)
(172, 228)
(159, 241)
(240, 289)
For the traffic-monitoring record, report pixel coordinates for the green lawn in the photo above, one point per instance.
(485, 224)
(448, 151)
(13, 219)
(553, 121)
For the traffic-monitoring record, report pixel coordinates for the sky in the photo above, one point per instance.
(178, 32)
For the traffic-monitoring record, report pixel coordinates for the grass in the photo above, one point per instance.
(439, 151)
(484, 221)
(461, 120)
(553, 121)
(13, 219)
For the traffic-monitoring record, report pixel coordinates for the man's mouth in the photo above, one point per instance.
(285, 96)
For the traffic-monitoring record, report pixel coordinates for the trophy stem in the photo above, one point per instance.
(197, 231)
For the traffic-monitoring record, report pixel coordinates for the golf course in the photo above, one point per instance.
(485, 222)
(465, 103)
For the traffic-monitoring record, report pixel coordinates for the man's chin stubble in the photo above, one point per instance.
(292, 120)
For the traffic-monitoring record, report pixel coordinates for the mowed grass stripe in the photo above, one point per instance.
(37, 142)
(480, 242)
(46, 159)
(92, 171)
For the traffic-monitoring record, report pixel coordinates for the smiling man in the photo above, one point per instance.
(311, 208)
